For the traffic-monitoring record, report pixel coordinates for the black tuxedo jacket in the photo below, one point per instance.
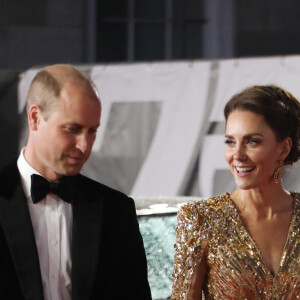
(108, 256)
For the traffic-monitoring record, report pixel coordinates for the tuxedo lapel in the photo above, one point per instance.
(87, 229)
(16, 224)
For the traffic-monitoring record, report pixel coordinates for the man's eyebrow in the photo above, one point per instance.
(72, 124)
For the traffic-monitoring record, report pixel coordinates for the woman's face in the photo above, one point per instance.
(252, 150)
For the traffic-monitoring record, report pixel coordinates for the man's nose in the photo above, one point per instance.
(82, 142)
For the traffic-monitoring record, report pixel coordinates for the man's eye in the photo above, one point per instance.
(72, 129)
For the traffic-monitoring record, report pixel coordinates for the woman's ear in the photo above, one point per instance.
(34, 116)
(286, 146)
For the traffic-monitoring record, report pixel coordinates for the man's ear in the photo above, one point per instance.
(34, 116)
(286, 146)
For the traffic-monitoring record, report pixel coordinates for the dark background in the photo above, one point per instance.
(40, 32)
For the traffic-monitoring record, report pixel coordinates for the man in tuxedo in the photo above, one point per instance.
(64, 236)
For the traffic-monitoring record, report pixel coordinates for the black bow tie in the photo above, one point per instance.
(40, 187)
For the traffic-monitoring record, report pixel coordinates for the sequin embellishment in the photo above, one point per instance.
(235, 267)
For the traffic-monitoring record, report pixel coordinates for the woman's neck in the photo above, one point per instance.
(263, 203)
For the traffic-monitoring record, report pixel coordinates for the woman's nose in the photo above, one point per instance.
(239, 153)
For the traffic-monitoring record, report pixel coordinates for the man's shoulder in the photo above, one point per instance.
(98, 187)
(10, 169)
(9, 178)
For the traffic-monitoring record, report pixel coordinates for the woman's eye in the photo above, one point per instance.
(229, 142)
(253, 141)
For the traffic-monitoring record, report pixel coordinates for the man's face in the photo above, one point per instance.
(63, 142)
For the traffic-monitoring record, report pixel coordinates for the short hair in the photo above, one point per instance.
(280, 109)
(46, 86)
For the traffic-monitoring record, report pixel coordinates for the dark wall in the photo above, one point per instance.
(39, 32)
(36, 32)
(9, 119)
(267, 27)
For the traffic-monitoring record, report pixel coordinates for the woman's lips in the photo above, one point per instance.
(244, 170)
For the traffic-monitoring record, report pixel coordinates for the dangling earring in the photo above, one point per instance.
(278, 172)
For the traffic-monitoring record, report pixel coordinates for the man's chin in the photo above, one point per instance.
(72, 171)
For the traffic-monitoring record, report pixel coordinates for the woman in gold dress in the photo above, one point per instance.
(246, 244)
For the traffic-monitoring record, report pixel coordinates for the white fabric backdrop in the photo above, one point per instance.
(182, 88)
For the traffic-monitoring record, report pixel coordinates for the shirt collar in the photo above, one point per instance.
(26, 171)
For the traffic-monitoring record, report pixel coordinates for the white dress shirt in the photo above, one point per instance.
(52, 225)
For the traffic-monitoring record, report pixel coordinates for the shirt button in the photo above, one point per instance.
(54, 276)
(53, 242)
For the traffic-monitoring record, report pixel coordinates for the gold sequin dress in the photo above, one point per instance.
(235, 268)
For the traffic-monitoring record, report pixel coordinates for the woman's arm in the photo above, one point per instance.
(189, 260)
(195, 292)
